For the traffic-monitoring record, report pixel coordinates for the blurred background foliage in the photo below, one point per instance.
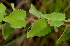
(19, 38)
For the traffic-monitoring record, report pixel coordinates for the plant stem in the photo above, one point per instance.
(31, 19)
(36, 20)
(66, 24)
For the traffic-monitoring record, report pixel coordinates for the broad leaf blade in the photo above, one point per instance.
(55, 16)
(34, 11)
(37, 27)
(55, 23)
(17, 19)
(7, 30)
(65, 35)
(55, 19)
(2, 11)
(45, 31)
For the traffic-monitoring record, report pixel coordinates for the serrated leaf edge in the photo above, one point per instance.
(61, 35)
(33, 10)
(10, 23)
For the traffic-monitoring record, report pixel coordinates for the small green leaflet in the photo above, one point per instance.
(38, 28)
(34, 11)
(16, 19)
(65, 35)
(2, 11)
(7, 30)
(55, 19)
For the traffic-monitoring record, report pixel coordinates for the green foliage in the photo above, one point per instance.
(44, 31)
(34, 11)
(1, 17)
(2, 8)
(7, 30)
(55, 19)
(16, 19)
(38, 28)
(2, 11)
(65, 35)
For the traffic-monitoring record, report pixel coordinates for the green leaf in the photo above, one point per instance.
(1, 17)
(37, 27)
(7, 30)
(2, 11)
(44, 31)
(34, 11)
(2, 8)
(16, 19)
(55, 23)
(55, 19)
(65, 35)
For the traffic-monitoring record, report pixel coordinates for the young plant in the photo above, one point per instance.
(17, 19)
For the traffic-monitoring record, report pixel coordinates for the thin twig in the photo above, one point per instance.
(36, 20)
(66, 24)
(31, 19)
